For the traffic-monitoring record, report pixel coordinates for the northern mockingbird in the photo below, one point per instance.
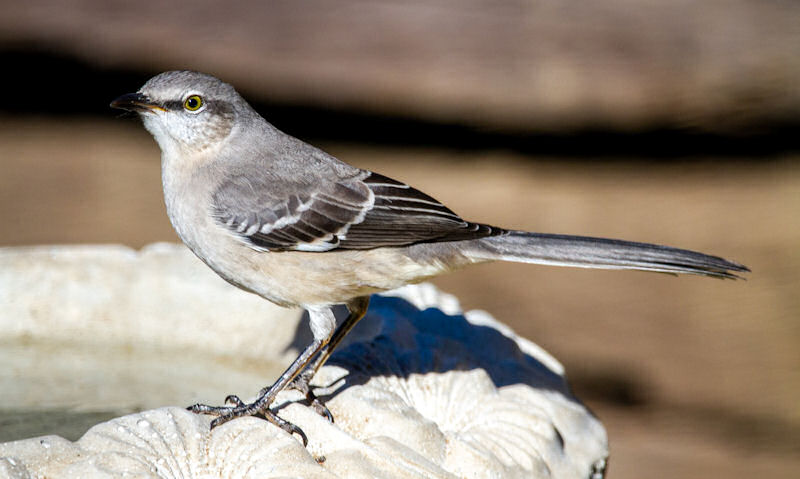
(282, 219)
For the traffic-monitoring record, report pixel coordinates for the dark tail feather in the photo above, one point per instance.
(587, 252)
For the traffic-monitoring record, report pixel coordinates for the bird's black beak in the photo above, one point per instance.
(135, 102)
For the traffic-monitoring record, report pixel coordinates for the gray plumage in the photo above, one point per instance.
(284, 220)
(360, 212)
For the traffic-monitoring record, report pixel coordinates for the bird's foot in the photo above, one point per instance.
(302, 383)
(258, 408)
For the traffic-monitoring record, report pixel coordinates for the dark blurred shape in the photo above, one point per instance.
(537, 75)
(618, 386)
(47, 82)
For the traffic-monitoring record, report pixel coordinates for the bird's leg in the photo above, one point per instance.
(322, 322)
(357, 308)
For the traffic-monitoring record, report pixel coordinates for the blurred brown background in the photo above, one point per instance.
(669, 122)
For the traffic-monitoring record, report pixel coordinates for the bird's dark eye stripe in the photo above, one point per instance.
(173, 105)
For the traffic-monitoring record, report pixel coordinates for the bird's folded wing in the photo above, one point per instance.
(362, 212)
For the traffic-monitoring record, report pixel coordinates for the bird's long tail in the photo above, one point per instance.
(587, 252)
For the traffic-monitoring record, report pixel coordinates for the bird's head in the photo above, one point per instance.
(187, 112)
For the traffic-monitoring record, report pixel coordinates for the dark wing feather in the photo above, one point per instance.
(363, 212)
(402, 215)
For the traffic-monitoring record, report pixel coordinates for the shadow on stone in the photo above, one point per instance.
(398, 339)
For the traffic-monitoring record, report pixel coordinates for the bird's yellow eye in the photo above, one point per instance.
(193, 103)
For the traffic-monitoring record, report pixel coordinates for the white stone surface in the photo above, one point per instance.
(419, 389)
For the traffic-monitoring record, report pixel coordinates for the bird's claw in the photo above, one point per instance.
(320, 408)
(226, 413)
(234, 399)
(301, 383)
